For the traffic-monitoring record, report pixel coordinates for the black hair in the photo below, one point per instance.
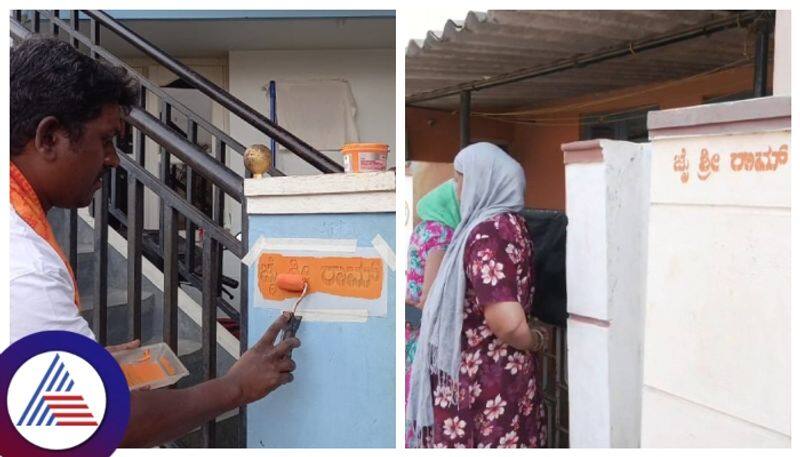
(51, 78)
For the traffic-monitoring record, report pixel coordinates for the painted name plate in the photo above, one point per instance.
(347, 283)
(355, 277)
(739, 170)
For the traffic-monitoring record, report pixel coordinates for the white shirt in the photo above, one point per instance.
(42, 291)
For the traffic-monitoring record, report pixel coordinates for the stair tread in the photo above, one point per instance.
(85, 248)
(116, 296)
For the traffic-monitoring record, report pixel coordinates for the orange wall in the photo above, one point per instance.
(538, 150)
(434, 135)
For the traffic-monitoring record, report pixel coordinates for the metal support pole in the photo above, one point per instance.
(761, 59)
(273, 116)
(464, 114)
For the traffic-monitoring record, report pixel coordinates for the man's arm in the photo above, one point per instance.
(158, 416)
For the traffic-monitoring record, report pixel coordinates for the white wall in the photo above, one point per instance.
(717, 326)
(370, 73)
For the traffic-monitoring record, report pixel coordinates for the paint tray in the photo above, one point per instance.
(152, 366)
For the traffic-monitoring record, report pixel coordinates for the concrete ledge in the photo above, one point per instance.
(321, 194)
(755, 114)
(334, 183)
(588, 151)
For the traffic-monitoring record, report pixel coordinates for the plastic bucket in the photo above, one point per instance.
(365, 157)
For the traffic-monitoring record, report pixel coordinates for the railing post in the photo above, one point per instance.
(170, 232)
(243, 316)
(191, 132)
(99, 313)
(165, 113)
(53, 25)
(210, 293)
(219, 195)
(135, 229)
(94, 35)
(76, 25)
(37, 20)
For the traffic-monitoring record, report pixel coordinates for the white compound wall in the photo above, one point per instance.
(717, 340)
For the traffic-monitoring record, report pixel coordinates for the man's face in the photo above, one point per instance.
(81, 163)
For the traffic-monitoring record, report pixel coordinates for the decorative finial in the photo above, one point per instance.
(257, 159)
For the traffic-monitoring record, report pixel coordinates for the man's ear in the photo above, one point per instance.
(49, 133)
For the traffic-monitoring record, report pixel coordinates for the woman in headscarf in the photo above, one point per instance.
(472, 380)
(439, 214)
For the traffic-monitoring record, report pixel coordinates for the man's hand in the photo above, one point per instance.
(122, 347)
(265, 366)
(161, 415)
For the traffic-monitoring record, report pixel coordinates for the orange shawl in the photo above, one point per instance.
(28, 207)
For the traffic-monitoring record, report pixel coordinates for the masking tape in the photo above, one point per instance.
(254, 251)
(384, 250)
(335, 315)
(298, 244)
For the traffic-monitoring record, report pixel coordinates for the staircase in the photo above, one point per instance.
(167, 284)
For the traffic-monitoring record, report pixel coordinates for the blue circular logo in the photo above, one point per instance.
(63, 394)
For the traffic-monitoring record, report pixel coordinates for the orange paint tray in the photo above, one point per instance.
(152, 366)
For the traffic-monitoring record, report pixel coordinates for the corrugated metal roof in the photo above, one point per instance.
(488, 44)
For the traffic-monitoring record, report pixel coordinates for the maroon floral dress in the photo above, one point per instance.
(499, 403)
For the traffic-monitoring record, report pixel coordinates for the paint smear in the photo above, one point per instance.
(166, 365)
(356, 277)
(139, 373)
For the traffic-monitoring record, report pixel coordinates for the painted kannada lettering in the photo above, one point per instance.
(357, 277)
(760, 161)
(742, 161)
(681, 164)
(707, 166)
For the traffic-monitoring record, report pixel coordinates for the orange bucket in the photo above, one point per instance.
(365, 157)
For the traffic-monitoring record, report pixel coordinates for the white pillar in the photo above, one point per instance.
(782, 70)
(607, 200)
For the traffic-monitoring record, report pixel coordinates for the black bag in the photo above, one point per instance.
(548, 232)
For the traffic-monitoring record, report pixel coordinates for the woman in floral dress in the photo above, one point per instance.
(439, 214)
(475, 346)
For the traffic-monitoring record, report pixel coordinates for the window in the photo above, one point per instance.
(628, 126)
(728, 98)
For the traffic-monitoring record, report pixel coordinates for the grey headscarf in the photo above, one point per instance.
(493, 183)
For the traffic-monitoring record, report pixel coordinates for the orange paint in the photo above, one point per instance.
(142, 373)
(357, 277)
(167, 366)
(291, 282)
(145, 356)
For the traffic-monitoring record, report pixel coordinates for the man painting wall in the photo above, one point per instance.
(65, 112)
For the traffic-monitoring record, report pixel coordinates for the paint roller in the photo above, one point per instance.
(291, 282)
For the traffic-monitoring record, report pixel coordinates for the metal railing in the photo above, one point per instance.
(552, 367)
(176, 210)
(224, 98)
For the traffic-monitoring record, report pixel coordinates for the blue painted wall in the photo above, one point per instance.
(343, 394)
